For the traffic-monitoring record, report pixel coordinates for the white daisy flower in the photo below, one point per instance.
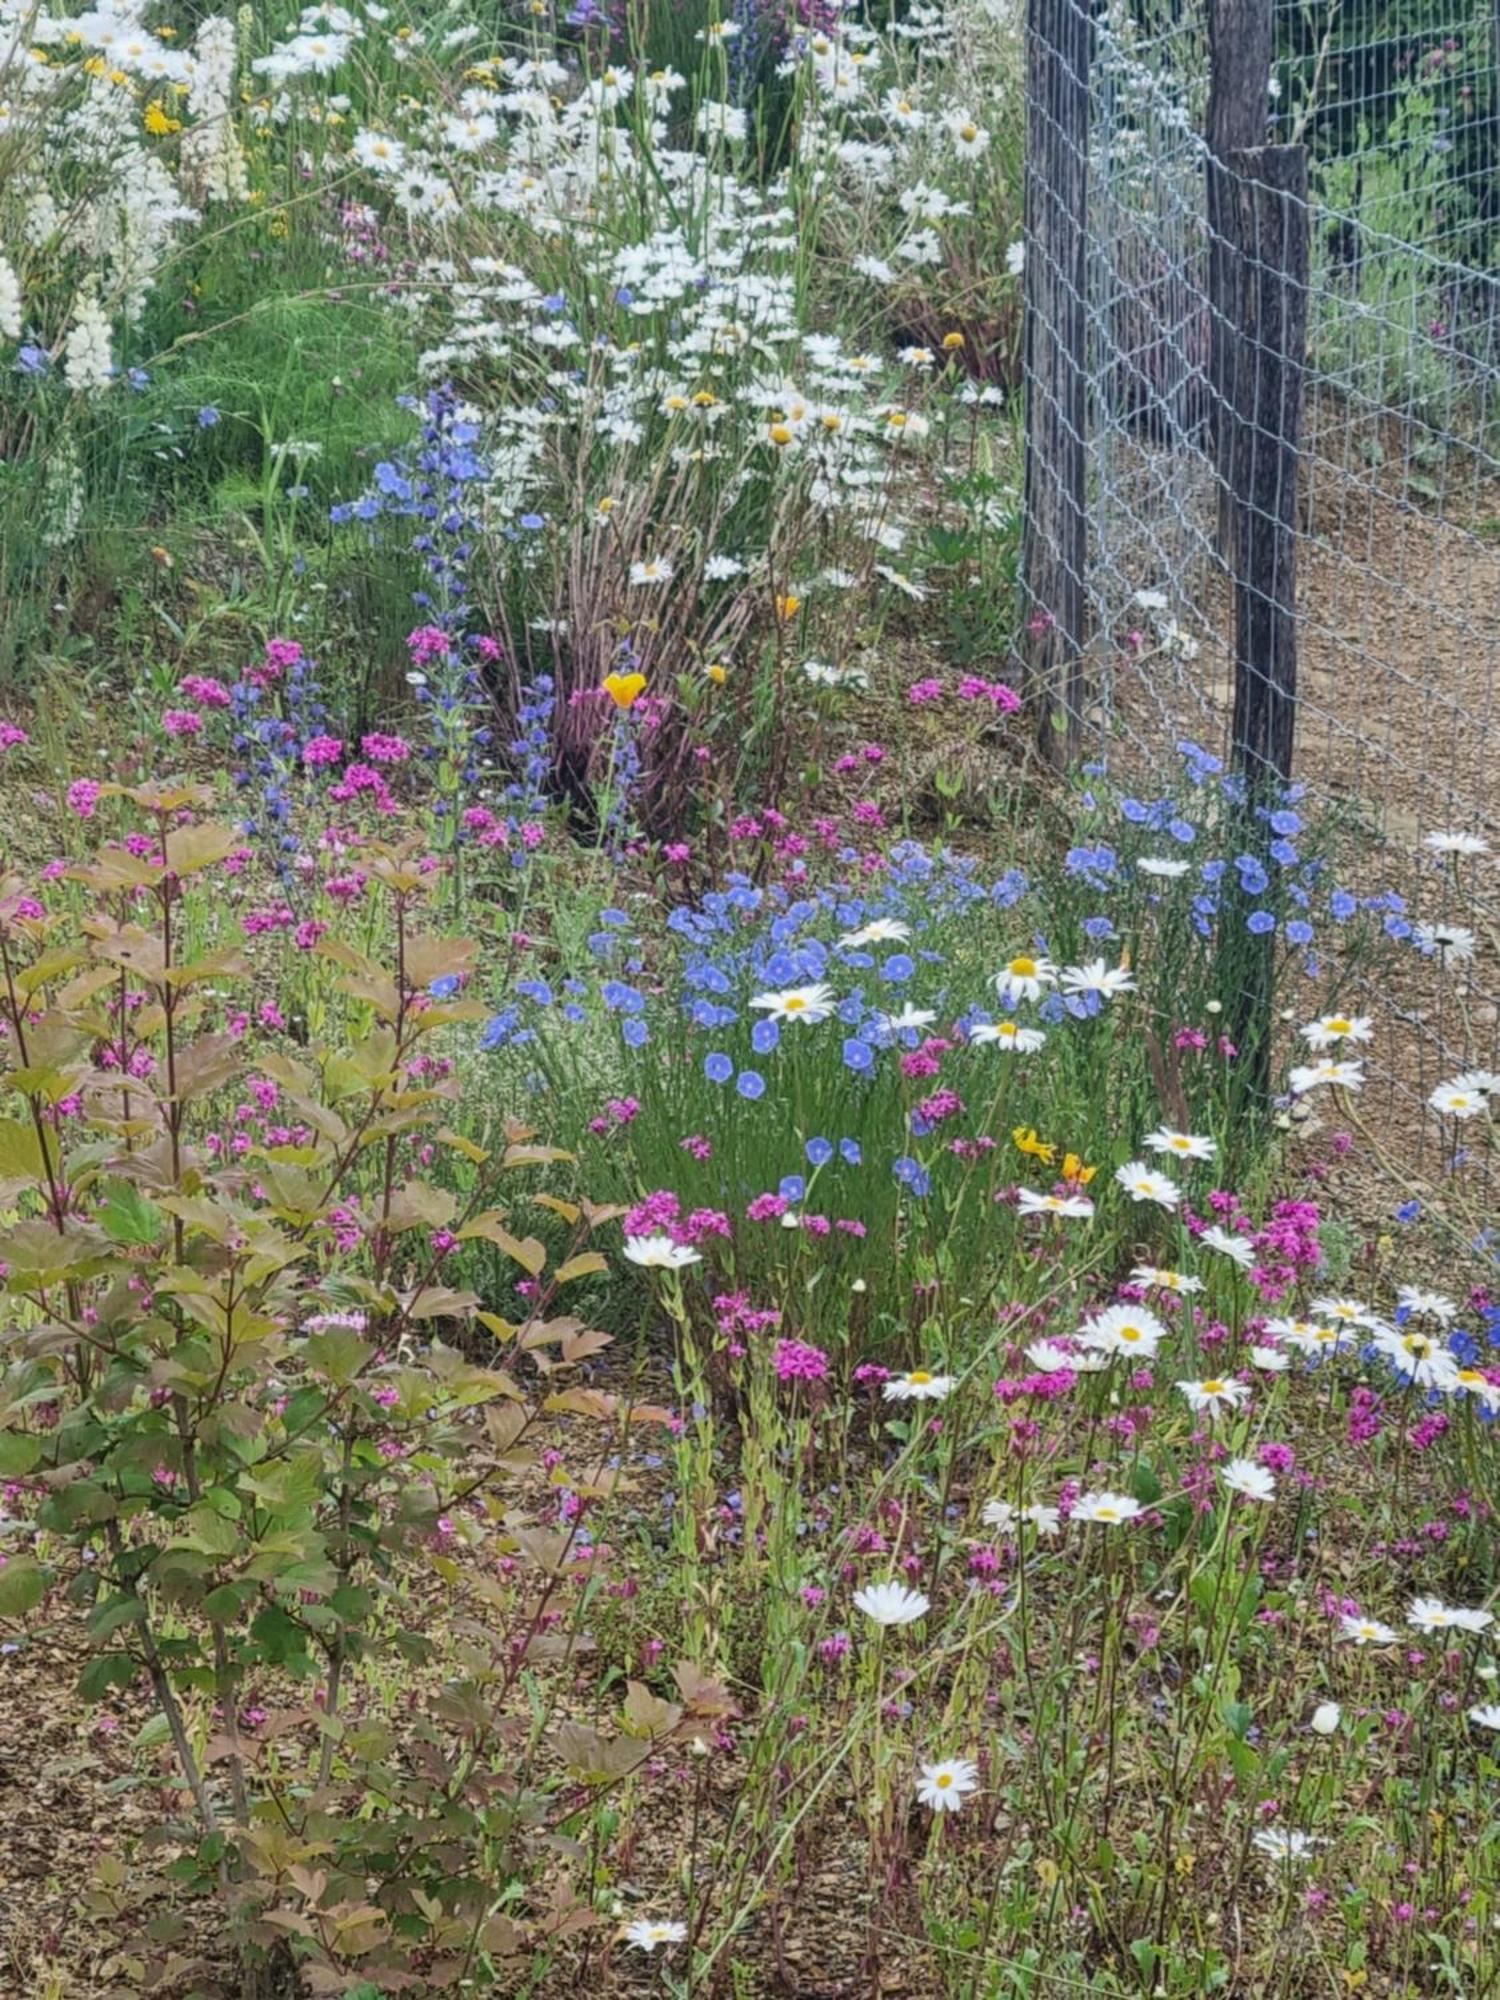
(1430, 1614)
(1007, 1035)
(1181, 1145)
(660, 1253)
(1331, 1028)
(1310, 1336)
(1452, 1100)
(1325, 1718)
(1337, 1075)
(1417, 1356)
(1163, 868)
(880, 930)
(1127, 1330)
(1165, 1281)
(945, 1786)
(1111, 1510)
(1425, 1304)
(1002, 1515)
(1143, 1183)
(1450, 944)
(1474, 1382)
(891, 1603)
(1361, 1631)
(1270, 1360)
(1346, 1312)
(654, 569)
(1244, 1476)
(1097, 977)
(1214, 1393)
(910, 1018)
(1076, 1207)
(797, 1003)
(1239, 1249)
(1486, 1714)
(646, 1933)
(919, 1386)
(1023, 977)
(1050, 1359)
(1283, 1843)
(1457, 843)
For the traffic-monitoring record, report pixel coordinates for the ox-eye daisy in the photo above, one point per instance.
(945, 1786)
(1143, 1183)
(1322, 1034)
(1023, 977)
(797, 1003)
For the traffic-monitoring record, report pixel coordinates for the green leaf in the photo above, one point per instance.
(23, 1585)
(338, 1353)
(127, 1216)
(110, 1670)
(19, 1452)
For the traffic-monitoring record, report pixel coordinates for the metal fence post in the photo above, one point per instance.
(1059, 39)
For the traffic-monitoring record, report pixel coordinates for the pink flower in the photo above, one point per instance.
(322, 750)
(83, 796)
(922, 692)
(11, 737)
(428, 642)
(182, 722)
(205, 690)
(796, 1361)
(385, 749)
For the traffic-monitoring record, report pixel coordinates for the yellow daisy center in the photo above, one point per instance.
(943, 1780)
(919, 1377)
(1023, 968)
(1338, 1025)
(1213, 1388)
(1130, 1333)
(794, 1004)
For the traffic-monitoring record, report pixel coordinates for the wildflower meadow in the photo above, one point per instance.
(672, 1320)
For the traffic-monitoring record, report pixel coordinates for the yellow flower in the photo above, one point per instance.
(157, 123)
(717, 674)
(1075, 1171)
(625, 690)
(780, 434)
(952, 342)
(1025, 1140)
(606, 505)
(788, 606)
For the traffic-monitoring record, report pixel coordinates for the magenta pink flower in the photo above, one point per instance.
(83, 796)
(796, 1361)
(182, 722)
(385, 749)
(322, 750)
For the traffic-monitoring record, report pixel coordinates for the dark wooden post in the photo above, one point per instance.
(1054, 551)
(1268, 230)
(1241, 46)
(1269, 225)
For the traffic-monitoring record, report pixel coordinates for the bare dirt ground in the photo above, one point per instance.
(1398, 683)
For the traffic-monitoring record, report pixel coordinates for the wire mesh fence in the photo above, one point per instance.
(1343, 327)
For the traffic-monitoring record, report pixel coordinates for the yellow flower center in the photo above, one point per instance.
(1339, 1026)
(919, 1378)
(793, 1004)
(943, 1780)
(1108, 1514)
(1213, 1388)
(1023, 968)
(1180, 1144)
(1130, 1333)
